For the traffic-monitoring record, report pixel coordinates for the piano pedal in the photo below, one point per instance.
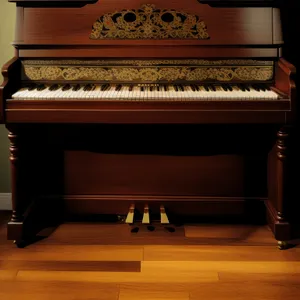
(163, 216)
(146, 216)
(130, 215)
(165, 220)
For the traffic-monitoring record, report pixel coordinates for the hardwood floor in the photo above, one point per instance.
(99, 261)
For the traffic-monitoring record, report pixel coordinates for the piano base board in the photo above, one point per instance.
(40, 222)
(283, 230)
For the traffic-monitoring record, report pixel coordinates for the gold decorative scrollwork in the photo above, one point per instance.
(150, 74)
(149, 22)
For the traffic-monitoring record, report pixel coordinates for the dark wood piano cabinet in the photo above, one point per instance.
(222, 155)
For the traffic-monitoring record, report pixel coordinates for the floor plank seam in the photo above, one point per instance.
(119, 291)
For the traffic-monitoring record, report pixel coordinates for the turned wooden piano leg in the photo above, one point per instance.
(282, 156)
(15, 225)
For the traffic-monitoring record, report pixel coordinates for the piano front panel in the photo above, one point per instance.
(161, 163)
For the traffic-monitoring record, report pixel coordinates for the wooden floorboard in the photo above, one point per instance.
(93, 261)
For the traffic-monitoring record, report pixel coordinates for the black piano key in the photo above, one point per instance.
(166, 88)
(41, 87)
(197, 88)
(157, 88)
(76, 87)
(118, 88)
(54, 87)
(206, 87)
(229, 87)
(212, 87)
(87, 87)
(193, 87)
(255, 87)
(181, 87)
(31, 87)
(175, 87)
(142, 89)
(151, 88)
(246, 87)
(66, 87)
(241, 87)
(224, 87)
(262, 87)
(131, 87)
(103, 87)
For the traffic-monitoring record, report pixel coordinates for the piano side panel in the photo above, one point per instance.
(240, 26)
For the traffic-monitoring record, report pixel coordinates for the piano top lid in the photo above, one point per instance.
(242, 3)
(108, 28)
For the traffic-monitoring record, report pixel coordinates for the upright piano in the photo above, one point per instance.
(149, 109)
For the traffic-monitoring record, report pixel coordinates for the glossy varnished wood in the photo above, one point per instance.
(118, 112)
(73, 51)
(11, 81)
(72, 26)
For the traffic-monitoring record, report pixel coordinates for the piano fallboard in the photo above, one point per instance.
(118, 112)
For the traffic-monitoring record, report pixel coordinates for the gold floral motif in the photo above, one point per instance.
(150, 74)
(258, 73)
(149, 22)
(156, 62)
(34, 73)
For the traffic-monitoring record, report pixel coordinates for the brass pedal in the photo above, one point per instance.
(163, 216)
(130, 215)
(146, 216)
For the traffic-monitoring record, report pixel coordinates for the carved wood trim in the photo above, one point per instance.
(8, 71)
(282, 156)
(14, 164)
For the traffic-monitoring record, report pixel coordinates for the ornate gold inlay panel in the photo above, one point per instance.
(131, 72)
(149, 22)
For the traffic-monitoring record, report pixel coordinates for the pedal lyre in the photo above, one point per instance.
(146, 216)
(130, 215)
(163, 216)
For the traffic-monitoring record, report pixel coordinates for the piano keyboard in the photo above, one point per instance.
(147, 92)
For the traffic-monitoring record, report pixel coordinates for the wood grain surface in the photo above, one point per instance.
(104, 261)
